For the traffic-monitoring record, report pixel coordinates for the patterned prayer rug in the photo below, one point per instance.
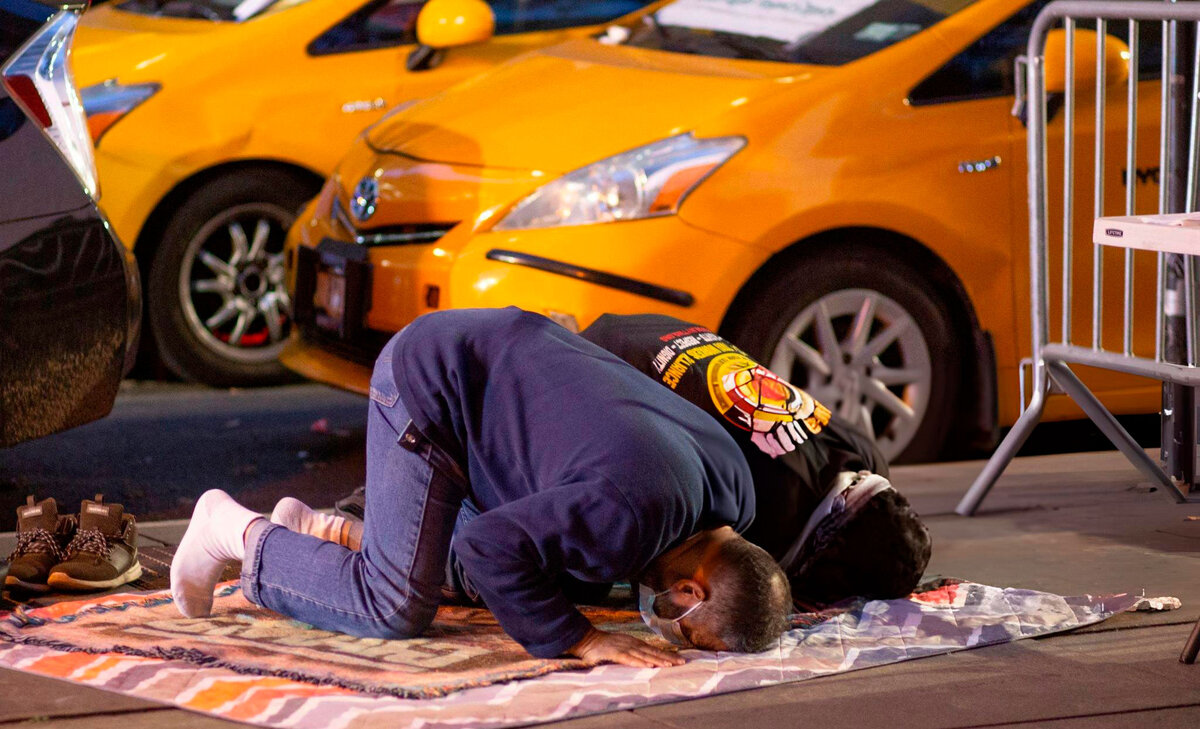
(464, 647)
(249, 665)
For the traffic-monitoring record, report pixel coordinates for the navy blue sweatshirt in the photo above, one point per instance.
(579, 463)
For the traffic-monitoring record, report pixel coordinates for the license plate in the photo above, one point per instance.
(332, 288)
(329, 300)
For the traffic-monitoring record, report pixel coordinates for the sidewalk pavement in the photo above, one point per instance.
(1071, 524)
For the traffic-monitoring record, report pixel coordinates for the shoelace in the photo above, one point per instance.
(36, 541)
(91, 541)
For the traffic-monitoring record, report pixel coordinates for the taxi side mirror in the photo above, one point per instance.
(443, 24)
(1116, 69)
(1116, 61)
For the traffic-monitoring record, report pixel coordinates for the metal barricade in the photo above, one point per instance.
(1052, 359)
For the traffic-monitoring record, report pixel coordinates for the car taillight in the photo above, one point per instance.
(39, 78)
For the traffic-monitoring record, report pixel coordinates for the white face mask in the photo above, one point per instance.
(668, 629)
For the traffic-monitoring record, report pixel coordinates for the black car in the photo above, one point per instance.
(70, 297)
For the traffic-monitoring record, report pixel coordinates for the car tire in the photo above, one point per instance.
(802, 324)
(216, 298)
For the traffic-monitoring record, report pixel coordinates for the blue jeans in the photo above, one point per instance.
(392, 587)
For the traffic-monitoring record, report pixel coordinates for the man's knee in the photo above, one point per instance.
(397, 622)
(392, 610)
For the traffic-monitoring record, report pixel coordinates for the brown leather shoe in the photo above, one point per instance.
(103, 553)
(41, 533)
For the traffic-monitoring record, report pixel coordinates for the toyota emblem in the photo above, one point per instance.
(362, 202)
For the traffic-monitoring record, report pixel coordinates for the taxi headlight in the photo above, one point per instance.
(645, 182)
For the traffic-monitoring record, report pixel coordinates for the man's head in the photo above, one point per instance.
(743, 594)
(877, 551)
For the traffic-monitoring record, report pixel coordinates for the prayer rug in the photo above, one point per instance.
(464, 647)
(248, 665)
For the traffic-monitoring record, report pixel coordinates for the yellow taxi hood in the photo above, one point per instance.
(563, 107)
(111, 42)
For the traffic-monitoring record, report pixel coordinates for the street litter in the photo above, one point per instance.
(1157, 604)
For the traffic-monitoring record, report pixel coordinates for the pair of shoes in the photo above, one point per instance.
(96, 550)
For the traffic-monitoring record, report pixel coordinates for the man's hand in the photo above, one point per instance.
(601, 647)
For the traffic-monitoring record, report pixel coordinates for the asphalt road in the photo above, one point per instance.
(165, 444)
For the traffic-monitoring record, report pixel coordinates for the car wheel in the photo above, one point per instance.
(217, 299)
(861, 333)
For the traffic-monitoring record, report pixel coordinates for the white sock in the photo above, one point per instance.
(298, 517)
(214, 538)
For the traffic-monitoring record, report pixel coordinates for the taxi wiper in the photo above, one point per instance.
(659, 28)
(753, 48)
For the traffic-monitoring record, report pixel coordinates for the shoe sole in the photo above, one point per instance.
(11, 582)
(66, 582)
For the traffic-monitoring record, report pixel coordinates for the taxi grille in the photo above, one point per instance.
(390, 235)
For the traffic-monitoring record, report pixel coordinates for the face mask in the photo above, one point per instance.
(668, 629)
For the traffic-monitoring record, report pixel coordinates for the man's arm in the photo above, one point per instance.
(514, 555)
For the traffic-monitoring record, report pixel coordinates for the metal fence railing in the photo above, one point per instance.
(1077, 344)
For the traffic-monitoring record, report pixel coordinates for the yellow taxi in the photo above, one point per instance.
(215, 120)
(838, 186)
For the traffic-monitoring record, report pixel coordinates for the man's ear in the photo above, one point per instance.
(692, 591)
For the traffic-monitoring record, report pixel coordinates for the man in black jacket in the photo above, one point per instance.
(826, 511)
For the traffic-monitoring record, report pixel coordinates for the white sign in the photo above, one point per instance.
(787, 21)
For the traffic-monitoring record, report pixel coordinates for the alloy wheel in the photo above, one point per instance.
(231, 283)
(863, 356)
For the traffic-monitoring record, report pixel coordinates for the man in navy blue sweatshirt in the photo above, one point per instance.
(579, 466)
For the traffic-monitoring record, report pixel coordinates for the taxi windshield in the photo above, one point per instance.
(822, 32)
(229, 10)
